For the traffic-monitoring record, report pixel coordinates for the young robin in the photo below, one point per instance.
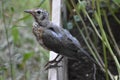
(55, 38)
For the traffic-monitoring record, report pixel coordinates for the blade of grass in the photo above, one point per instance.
(84, 26)
(105, 60)
(103, 34)
(100, 38)
(88, 45)
(113, 14)
(110, 32)
(111, 35)
(90, 48)
(6, 32)
(107, 44)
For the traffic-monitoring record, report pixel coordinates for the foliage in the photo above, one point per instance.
(21, 57)
(94, 17)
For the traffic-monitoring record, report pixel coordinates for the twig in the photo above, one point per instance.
(94, 73)
(6, 32)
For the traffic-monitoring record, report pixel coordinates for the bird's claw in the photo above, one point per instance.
(52, 64)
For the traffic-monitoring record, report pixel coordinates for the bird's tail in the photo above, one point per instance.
(84, 53)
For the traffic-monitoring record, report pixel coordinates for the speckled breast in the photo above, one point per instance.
(38, 31)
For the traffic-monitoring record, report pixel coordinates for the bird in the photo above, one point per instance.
(55, 38)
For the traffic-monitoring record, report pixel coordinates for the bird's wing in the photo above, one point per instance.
(51, 40)
(70, 42)
(61, 41)
(56, 37)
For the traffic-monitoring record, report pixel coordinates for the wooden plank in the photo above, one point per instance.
(56, 17)
(61, 72)
(56, 11)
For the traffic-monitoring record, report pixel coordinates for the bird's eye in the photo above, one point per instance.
(38, 12)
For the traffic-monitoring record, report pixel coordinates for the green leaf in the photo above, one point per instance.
(27, 56)
(15, 35)
(117, 1)
(12, 9)
(23, 18)
(3, 68)
(76, 18)
(82, 5)
(69, 25)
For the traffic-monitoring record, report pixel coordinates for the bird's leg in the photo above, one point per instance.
(54, 62)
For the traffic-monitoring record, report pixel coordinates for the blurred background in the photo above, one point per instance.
(22, 57)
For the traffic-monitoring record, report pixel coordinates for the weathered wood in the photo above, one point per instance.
(56, 13)
(61, 72)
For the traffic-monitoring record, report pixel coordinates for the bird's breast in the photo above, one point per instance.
(38, 32)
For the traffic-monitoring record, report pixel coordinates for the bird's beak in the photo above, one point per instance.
(29, 11)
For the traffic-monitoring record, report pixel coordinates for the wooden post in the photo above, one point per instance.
(57, 73)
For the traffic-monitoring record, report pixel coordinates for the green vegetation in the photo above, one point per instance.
(94, 15)
(21, 57)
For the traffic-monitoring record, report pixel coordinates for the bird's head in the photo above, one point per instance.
(40, 15)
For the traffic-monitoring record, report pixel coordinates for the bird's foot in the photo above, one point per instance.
(53, 63)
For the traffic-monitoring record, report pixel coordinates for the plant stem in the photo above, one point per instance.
(6, 33)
